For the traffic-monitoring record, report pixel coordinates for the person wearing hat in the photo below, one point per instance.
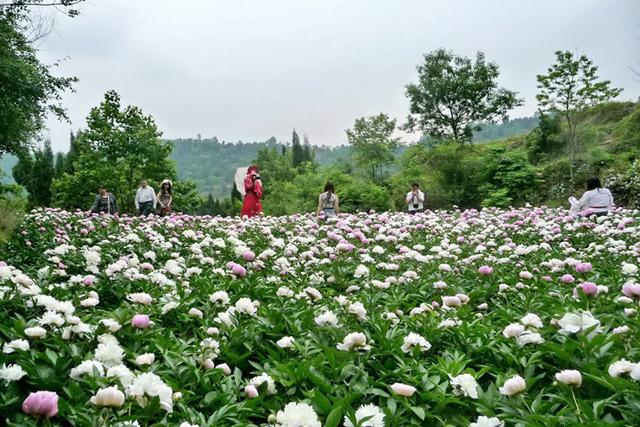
(165, 198)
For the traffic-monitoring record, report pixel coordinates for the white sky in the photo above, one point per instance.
(251, 69)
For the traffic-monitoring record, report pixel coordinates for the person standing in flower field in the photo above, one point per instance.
(253, 193)
(165, 198)
(328, 203)
(105, 202)
(415, 199)
(145, 199)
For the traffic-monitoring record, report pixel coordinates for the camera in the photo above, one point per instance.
(415, 206)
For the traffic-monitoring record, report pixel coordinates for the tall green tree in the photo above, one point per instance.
(297, 151)
(35, 173)
(59, 165)
(454, 95)
(373, 144)
(119, 147)
(571, 86)
(28, 89)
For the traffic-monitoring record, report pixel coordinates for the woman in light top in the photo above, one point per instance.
(596, 200)
(328, 202)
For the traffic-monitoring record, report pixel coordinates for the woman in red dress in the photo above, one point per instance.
(253, 193)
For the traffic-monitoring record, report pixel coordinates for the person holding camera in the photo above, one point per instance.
(415, 199)
(253, 193)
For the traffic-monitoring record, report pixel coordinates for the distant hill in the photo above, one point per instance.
(212, 163)
(493, 131)
(6, 165)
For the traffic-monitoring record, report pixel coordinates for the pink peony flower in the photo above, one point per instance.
(588, 288)
(248, 256)
(41, 403)
(140, 321)
(88, 280)
(238, 270)
(567, 278)
(485, 270)
(583, 267)
(631, 290)
(403, 389)
(251, 391)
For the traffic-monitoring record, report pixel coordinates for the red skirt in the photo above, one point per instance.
(251, 206)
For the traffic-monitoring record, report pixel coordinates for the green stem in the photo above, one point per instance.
(573, 395)
(526, 404)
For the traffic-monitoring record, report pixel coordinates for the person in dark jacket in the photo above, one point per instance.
(105, 202)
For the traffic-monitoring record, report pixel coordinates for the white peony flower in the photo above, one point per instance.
(35, 332)
(286, 342)
(413, 340)
(14, 345)
(145, 359)
(513, 330)
(367, 416)
(622, 366)
(264, 378)
(11, 373)
(109, 396)
(358, 310)
(297, 415)
(569, 377)
(464, 385)
(220, 297)
(531, 319)
(354, 341)
(328, 318)
(513, 386)
(88, 367)
(483, 421)
(140, 298)
(572, 323)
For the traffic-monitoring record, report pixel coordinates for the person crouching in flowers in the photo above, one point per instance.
(328, 203)
(165, 198)
(253, 193)
(595, 201)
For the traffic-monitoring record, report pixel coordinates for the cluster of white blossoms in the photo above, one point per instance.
(158, 308)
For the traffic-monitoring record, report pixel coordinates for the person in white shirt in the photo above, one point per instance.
(596, 200)
(145, 199)
(415, 199)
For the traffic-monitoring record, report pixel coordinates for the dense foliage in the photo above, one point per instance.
(454, 94)
(212, 163)
(120, 147)
(522, 316)
(29, 89)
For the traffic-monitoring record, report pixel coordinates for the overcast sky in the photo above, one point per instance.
(251, 69)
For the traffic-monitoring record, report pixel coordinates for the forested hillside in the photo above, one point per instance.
(211, 163)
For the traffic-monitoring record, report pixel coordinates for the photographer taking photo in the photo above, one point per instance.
(415, 199)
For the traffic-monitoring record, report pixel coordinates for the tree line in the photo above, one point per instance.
(453, 98)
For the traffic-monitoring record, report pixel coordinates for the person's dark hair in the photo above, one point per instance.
(102, 187)
(593, 183)
(168, 186)
(415, 185)
(329, 187)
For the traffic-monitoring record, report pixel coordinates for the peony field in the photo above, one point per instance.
(481, 318)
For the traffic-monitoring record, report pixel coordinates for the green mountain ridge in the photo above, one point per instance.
(212, 163)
